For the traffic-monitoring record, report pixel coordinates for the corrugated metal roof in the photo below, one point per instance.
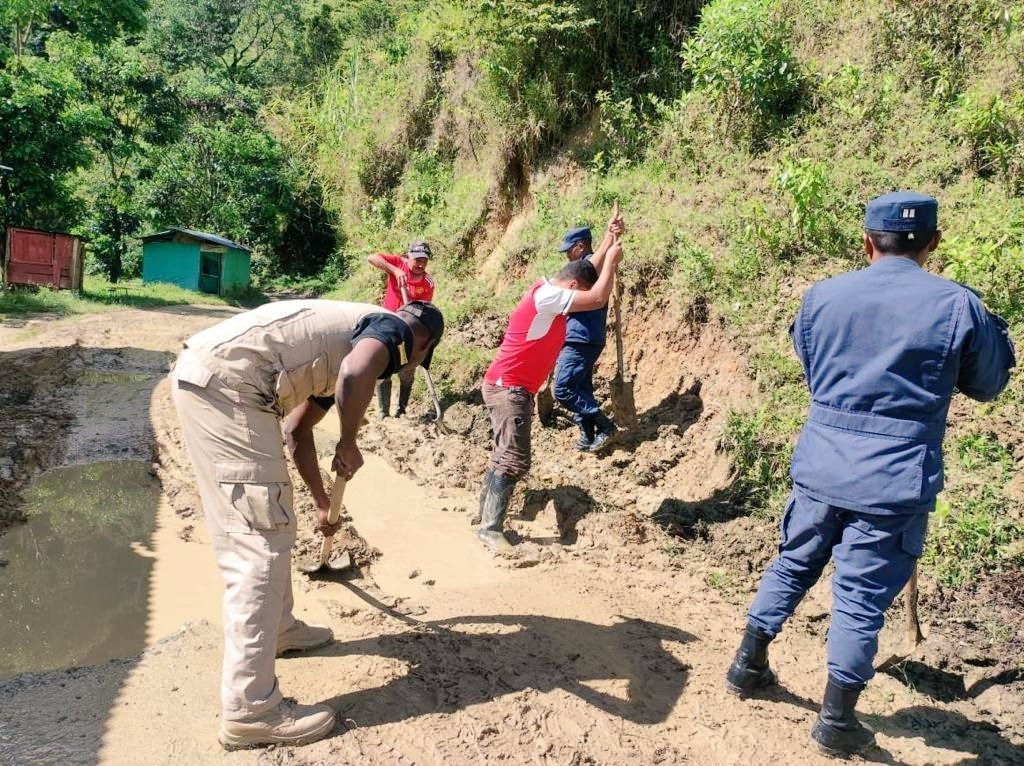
(200, 235)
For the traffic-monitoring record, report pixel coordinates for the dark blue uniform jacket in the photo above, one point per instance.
(587, 326)
(883, 349)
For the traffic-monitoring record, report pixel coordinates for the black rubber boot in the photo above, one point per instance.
(837, 732)
(604, 428)
(384, 397)
(485, 490)
(404, 391)
(493, 510)
(586, 433)
(749, 670)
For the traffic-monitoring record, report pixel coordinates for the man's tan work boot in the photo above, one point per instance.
(287, 724)
(301, 637)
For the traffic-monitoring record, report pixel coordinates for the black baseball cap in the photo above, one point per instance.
(430, 316)
(419, 249)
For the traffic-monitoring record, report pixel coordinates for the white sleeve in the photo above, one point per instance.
(552, 300)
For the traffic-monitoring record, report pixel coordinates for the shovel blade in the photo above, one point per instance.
(341, 562)
(310, 566)
(623, 401)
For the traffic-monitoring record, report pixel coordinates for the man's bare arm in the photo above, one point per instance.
(298, 436)
(597, 296)
(378, 262)
(353, 391)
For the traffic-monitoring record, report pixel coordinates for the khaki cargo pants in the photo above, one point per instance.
(234, 441)
(511, 411)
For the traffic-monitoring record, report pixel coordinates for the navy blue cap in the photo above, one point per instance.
(582, 234)
(902, 211)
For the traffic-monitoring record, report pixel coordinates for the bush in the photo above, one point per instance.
(990, 258)
(993, 128)
(973, 529)
(803, 182)
(936, 41)
(760, 458)
(740, 57)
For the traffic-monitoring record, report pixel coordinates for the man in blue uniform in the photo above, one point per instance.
(883, 350)
(584, 342)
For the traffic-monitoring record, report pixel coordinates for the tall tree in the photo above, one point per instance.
(43, 127)
(243, 41)
(134, 109)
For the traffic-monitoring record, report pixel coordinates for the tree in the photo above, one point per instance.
(43, 131)
(134, 109)
(25, 24)
(230, 177)
(243, 41)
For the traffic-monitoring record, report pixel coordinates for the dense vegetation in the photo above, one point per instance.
(741, 136)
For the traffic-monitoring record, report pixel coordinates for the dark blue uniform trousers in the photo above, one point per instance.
(574, 379)
(874, 557)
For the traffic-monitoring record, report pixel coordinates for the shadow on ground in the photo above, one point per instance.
(463, 661)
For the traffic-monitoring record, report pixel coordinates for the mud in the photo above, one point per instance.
(603, 639)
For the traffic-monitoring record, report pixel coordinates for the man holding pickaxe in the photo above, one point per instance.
(231, 386)
(883, 349)
(407, 280)
(584, 342)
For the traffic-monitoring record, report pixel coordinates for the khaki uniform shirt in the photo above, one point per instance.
(285, 351)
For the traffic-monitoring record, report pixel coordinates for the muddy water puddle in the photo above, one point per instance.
(75, 587)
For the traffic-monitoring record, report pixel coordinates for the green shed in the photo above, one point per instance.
(195, 260)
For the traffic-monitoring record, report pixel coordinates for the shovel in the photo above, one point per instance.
(623, 401)
(323, 561)
(913, 625)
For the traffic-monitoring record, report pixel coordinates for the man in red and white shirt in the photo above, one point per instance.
(407, 281)
(535, 335)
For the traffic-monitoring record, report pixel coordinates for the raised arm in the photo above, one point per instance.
(379, 261)
(616, 228)
(597, 296)
(356, 381)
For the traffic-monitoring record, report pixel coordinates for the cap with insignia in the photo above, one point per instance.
(902, 211)
(573, 236)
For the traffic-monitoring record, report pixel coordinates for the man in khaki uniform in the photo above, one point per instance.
(230, 386)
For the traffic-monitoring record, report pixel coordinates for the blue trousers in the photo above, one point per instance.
(874, 557)
(574, 379)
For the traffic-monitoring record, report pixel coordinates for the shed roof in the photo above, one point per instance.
(203, 236)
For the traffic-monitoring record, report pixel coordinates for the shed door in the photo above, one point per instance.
(209, 272)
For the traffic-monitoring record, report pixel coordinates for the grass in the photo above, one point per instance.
(99, 295)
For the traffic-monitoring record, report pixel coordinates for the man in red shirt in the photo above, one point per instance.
(535, 335)
(407, 280)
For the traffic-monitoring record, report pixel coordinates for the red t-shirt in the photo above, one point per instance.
(419, 289)
(535, 334)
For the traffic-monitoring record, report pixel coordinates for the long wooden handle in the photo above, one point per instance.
(433, 393)
(914, 636)
(333, 513)
(620, 364)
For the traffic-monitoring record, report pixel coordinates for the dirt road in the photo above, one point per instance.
(608, 649)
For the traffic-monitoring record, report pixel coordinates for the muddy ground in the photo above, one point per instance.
(603, 639)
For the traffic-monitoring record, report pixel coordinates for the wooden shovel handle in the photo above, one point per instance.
(914, 636)
(333, 513)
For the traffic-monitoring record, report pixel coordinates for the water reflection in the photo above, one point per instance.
(74, 592)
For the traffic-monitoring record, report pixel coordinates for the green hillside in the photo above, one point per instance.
(741, 137)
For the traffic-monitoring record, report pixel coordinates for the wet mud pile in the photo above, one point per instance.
(35, 413)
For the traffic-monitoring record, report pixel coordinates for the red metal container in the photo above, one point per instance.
(43, 258)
